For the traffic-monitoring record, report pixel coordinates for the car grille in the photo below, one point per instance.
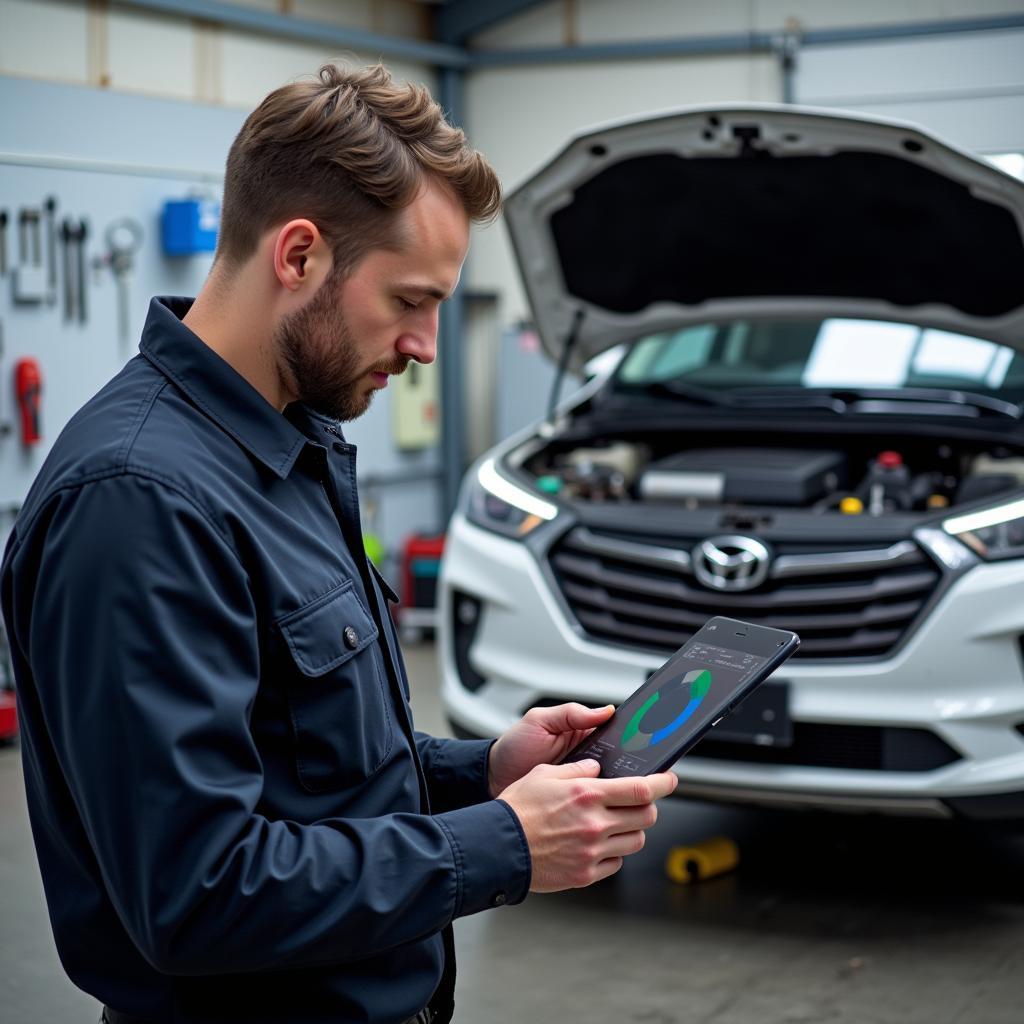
(854, 603)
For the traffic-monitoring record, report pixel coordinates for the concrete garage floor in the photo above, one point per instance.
(827, 919)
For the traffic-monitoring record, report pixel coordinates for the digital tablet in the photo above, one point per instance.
(691, 693)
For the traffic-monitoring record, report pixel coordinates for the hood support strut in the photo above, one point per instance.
(563, 363)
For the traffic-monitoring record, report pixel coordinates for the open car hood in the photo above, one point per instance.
(766, 211)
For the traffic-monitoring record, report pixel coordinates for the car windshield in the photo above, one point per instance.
(831, 354)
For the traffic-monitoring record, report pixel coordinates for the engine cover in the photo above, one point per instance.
(763, 476)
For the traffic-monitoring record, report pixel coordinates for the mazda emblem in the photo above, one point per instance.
(731, 563)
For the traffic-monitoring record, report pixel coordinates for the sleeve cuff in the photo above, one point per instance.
(492, 858)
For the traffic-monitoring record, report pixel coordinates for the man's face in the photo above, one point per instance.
(340, 348)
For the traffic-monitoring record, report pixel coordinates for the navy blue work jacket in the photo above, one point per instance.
(233, 816)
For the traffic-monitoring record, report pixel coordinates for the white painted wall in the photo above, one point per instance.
(163, 55)
(602, 21)
(968, 89)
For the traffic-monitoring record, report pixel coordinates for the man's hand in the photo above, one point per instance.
(580, 827)
(542, 736)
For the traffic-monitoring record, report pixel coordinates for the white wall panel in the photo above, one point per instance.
(513, 120)
(164, 55)
(967, 88)
(939, 64)
(543, 25)
(994, 126)
(603, 21)
(822, 14)
(43, 39)
(254, 65)
(151, 53)
(351, 13)
(401, 18)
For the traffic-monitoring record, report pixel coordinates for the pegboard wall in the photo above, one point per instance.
(103, 157)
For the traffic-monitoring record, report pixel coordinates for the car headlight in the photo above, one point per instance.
(495, 503)
(993, 533)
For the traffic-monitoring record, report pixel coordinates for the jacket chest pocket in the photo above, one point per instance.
(337, 695)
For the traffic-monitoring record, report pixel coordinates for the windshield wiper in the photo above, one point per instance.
(962, 401)
(835, 400)
(948, 396)
(688, 392)
(787, 398)
(842, 400)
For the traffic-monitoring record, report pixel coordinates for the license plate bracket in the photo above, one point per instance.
(762, 719)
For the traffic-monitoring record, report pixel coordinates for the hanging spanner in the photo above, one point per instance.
(50, 206)
(73, 235)
(124, 239)
(30, 251)
(68, 233)
(83, 234)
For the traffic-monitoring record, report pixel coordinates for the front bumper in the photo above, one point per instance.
(960, 675)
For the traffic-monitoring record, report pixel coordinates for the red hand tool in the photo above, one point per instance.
(28, 384)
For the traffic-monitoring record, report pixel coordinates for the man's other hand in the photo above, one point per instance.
(542, 736)
(579, 827)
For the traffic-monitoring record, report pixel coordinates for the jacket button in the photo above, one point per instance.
(499, 900)
(351, 638)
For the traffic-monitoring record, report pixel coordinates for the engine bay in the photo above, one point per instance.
(871, 476)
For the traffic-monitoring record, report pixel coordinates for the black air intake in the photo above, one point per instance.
(466, 613)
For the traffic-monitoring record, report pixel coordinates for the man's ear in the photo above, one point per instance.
(302, 259)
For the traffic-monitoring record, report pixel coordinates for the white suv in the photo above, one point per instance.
(815, 424)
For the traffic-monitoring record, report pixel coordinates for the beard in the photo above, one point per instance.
(321, 357)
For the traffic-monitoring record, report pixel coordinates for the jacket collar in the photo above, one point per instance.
(218, 389)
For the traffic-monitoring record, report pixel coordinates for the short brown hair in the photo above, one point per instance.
(345, 150)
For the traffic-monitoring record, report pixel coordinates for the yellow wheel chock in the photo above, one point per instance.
(713, 857)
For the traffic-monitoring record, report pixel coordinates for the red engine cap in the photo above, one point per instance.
(890, 460)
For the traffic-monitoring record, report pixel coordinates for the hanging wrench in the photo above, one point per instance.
(50, 206)
(124, 239)
(68, 234)
(83, 234)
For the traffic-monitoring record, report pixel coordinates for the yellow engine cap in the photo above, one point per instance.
(851, 506)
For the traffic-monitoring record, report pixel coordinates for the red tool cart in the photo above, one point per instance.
(421, 565)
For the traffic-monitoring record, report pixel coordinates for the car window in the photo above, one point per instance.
(829, 353)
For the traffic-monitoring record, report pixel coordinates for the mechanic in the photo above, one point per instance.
(234, 818)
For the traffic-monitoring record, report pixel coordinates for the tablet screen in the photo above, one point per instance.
(693, 688)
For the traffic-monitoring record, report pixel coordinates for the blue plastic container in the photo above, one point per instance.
(190, 226)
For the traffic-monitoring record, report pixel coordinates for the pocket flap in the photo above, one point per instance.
(327, 632)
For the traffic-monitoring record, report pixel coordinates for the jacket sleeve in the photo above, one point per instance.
(140, 628)
(456, 770)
